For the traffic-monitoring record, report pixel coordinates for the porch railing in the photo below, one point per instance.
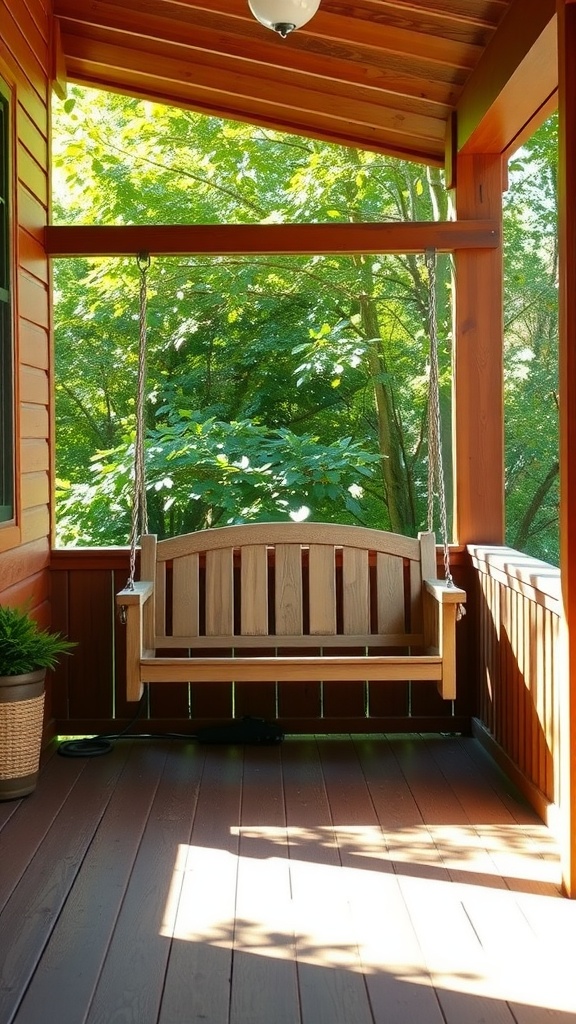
(518, 610)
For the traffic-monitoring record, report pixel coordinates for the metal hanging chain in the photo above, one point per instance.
(435, 463)
(139, 522)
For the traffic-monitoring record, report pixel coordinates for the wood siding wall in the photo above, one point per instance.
(25, 68)
(518, 608)
(89, 689)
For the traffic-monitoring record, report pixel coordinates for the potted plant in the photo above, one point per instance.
(26, 652)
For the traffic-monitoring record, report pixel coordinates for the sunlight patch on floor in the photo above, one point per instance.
(426, 906)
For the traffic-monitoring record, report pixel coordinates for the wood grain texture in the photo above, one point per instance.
(288, 590)
(219, 593)
(370, 879)
(254, 590)
(478, 363)
(278, 239)
(355, 592)
(185, 596)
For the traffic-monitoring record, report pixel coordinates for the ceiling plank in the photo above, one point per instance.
(271, 239)
(373, 30)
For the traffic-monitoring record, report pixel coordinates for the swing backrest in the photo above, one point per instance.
(283, 584)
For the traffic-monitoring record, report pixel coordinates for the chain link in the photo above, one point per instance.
(139, 523)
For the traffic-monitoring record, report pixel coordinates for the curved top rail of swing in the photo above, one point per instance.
(293, 533)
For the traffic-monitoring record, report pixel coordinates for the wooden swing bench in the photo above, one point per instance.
(269, 602)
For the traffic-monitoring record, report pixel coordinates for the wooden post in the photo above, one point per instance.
(478, 361)
(567, 373)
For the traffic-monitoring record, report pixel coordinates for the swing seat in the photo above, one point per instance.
(270, 602)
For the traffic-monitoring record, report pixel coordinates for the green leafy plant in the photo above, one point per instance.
(24, 646)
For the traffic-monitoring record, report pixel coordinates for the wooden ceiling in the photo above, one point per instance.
(376, 74)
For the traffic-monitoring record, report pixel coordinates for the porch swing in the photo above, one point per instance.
(216, 595)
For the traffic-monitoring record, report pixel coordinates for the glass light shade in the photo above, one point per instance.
(283, 16)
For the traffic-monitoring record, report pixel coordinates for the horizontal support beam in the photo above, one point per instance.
(271, 239)
(516, 77)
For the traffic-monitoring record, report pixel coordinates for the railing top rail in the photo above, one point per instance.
(531, 576)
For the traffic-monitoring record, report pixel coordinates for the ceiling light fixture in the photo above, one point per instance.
(283, 16)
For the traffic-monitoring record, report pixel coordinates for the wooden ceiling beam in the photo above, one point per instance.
(516, 76)
(271, 239)
(385, 75)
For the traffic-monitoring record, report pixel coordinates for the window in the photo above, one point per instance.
(6, 360)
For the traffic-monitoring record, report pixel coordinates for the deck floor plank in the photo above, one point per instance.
(522, 849)
(457, 958)
(198, 978)
(332, 985)
(328, 880)
(264, 976)
(131, 983)
(69, 970)
(33, 820)
(398, 982)
(31, 912)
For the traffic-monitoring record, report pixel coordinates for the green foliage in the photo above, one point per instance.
(531, 351)
(211, 473)
(24, 647)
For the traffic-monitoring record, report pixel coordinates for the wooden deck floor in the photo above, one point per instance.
(331, 881)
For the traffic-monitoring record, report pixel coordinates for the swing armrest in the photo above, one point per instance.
(444, 592)
(137, 594)
(441, 601)
(132, 601)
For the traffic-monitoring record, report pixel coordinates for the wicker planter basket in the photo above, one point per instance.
(21, 721)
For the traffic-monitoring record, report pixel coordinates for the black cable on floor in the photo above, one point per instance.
(245, 730)
(94, 746)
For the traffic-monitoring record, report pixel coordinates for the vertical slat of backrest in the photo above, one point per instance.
(322, 589)
(185, 596)
(254, 590)
(288, 589)
(391, 612)
(355, 592)
(428, 556)
(425, 569)
(219, 592)
(416, 615)
(160, 591)
(148, 549)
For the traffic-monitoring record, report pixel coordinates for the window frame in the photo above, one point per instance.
(8, 478)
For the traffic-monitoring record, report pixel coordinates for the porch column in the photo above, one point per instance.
(567, 373)
(478, 361)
